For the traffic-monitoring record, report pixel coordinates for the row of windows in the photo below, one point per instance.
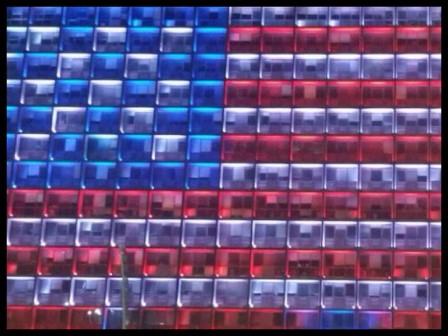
(336, 264)
(201, 318)
(331, 205)
(267, 176)
(213, 66)
(223, 233)
(236, 148)
(237, 39)
(227, 293)
(40, 119)
(222, 16)
(237, 93)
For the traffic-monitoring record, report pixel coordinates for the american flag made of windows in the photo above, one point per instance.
(261, 167)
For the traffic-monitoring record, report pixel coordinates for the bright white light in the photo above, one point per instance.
(345, 56)
(378, 56)
(243, 56)
(312, 56)
(111, 29)
(179, 30)
(44, 29)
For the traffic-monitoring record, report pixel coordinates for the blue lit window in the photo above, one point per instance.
(103, 119)
(93, 232)
(243, 66)
(112, 16)
(24, 231)
(134, 175)
(379, 16)
(14, 65)
(209, 66)
(145, 16)
(67, 147)
(171, 120)
(175, 66)
(10, 143)
(143, 40)
(207, 93)
(102, 147)
(210, 40)
(312, 16)
(178, 16)
(139, 93)
(71, 92)
(204, 148)
(205, 120)
(245, 16)
(38, 92)
(45, 16)
(177, 39)
(17, 16)
(20, 291)
(68, 119)
(169, 147)
(99, 175)
(135, 147)
(110, 39)
(64, 174)
(77, 39)
(137, 120)
(168, 175)
(310, 67)
(13, 91)
(35, 119)
(74, 66)
(276, 66)
(278, 16)
(88, 291)
(79, 16)
(203, 176)
(53, 291)
(211, 16)
(30, 174)
(107, 66)
(105, 92)
(12, 118)
(59, 231)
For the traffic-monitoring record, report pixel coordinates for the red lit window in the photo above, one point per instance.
(342, 148)
(238, 148)
(201, 204)
(273, 148)
(134, 260)
(272, 205)
(91, 261)
(411, 94)
(435, 39)
(241, 93)
(307, 148)
(435, 320)
(82, 318)
(96, 203)
(55, 261)
(377, 94)
(310, 93)
(344, 39)
(194, 319)
(344, 93)
(436, 265)
(376, 205)
(235, 204)
(436, 148)
(341, 205)
(160, 262)
(375, 264)
(411, 265)
(197, 262)
(231, 318)
(411, 320)
(26, 203)
(158, 318)
(306, 205)
(339, 264)
(21, 260)
(412, 39)
(19, 318)
(377, 149)
(435, 93)
(378, 39)
(268, 263)
(51, 318)
(277, 40)
(303, 263)
(275, 93)
(413, 149)
(311, 40)
(244, 39)
(61, 203)
(411, 206)
(435, 209)
(232, 263)
(266, 319)
(165, 204)
(130, 204)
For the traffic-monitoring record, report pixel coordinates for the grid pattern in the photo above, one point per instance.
(265, 167)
